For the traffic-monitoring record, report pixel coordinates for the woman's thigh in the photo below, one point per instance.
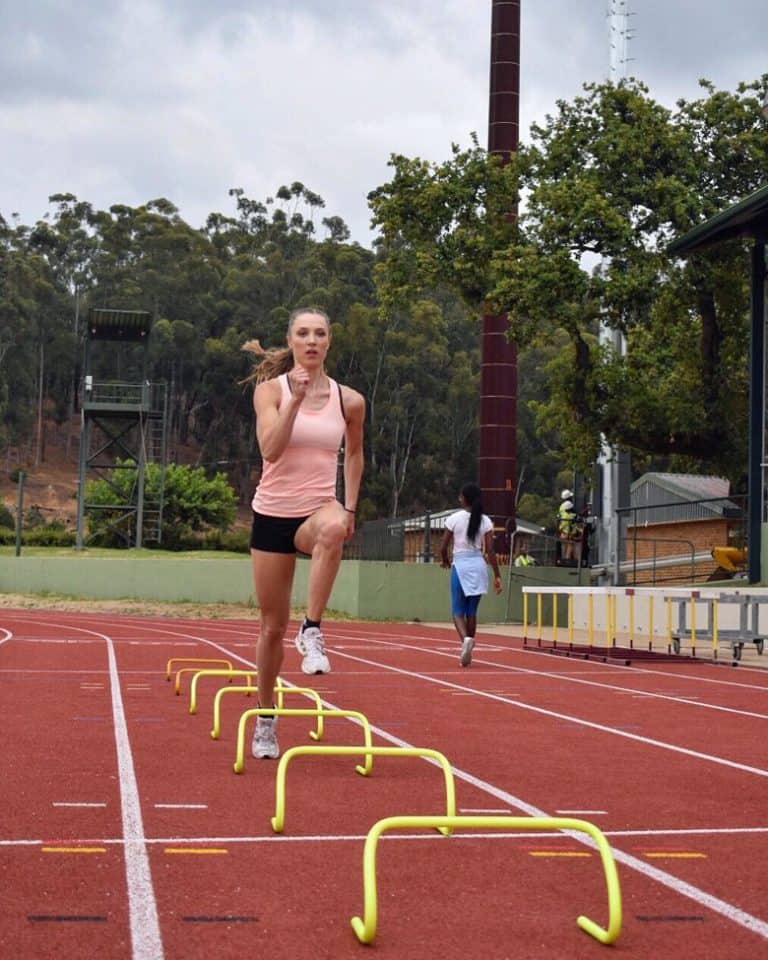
(273, 581)
(328, 524)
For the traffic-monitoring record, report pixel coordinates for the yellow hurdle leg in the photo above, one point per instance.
(650, 621)
(554, 619)
(669, 624)
(693, 625)
(450, 790)
(365, 928)
(525, 617)
(538, 618)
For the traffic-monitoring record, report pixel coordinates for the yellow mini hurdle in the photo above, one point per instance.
(198, 660)
(367, 749)
(278, 820)
(280, 690)
(217, 673)
(365, 928)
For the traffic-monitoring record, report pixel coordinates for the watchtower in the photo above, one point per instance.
(123, 425)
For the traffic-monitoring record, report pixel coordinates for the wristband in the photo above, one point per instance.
(353, 512)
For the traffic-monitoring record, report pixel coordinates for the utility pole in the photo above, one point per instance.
(498, 368)
(613, 464)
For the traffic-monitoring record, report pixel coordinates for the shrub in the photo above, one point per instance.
(50, 535)
(194, 504)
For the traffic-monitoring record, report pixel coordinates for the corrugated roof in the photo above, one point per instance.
(688, 486)
(437, 522)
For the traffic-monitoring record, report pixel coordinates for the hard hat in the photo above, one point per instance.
(568, 504)
(566, 494)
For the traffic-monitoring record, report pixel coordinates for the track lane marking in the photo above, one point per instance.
(196, 851)
(354, 837)
(728, 910)
(73, 849)
(146, 942)
(616, 688)
(77, 803)
(590, 724)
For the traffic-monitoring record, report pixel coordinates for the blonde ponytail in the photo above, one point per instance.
(273, 362)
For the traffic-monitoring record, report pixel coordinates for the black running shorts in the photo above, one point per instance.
(274, 534)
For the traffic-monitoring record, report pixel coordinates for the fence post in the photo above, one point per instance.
(19, 512)
(427, 542)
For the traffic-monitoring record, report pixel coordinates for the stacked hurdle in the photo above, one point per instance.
(365, 927)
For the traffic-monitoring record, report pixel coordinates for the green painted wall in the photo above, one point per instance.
(377, 590)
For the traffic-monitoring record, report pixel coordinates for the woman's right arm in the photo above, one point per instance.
(492, 559)
(273, 422)
(445, 543)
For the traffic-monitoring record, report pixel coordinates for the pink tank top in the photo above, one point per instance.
(303, 478)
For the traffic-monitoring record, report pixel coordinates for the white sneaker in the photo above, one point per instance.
(309, 643)
(466, 651)
(264, 745)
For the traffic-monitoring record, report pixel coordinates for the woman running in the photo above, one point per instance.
(302, 418)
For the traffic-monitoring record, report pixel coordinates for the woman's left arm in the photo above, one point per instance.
(354, 454)
(490, 556)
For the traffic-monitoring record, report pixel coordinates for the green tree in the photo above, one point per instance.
(608, 181)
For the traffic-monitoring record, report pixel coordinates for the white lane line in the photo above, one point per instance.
(601, 668)
(142, 906)
(690, 701)
(68, 803)
(331, 837)
(7, 637)
(590, 724)
(146, 943)
(181, 806)
(582, 813)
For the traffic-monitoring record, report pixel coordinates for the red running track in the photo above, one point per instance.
(126, 834)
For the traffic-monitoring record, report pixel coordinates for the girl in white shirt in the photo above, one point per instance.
(471, 533)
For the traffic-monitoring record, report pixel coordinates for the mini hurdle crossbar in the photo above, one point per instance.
(278, 820)
(367, 749)
(198, 660)
(365, 928)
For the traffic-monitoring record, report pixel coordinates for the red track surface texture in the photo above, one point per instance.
(125, 833)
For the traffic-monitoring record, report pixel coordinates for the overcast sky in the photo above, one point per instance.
(124, 101)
